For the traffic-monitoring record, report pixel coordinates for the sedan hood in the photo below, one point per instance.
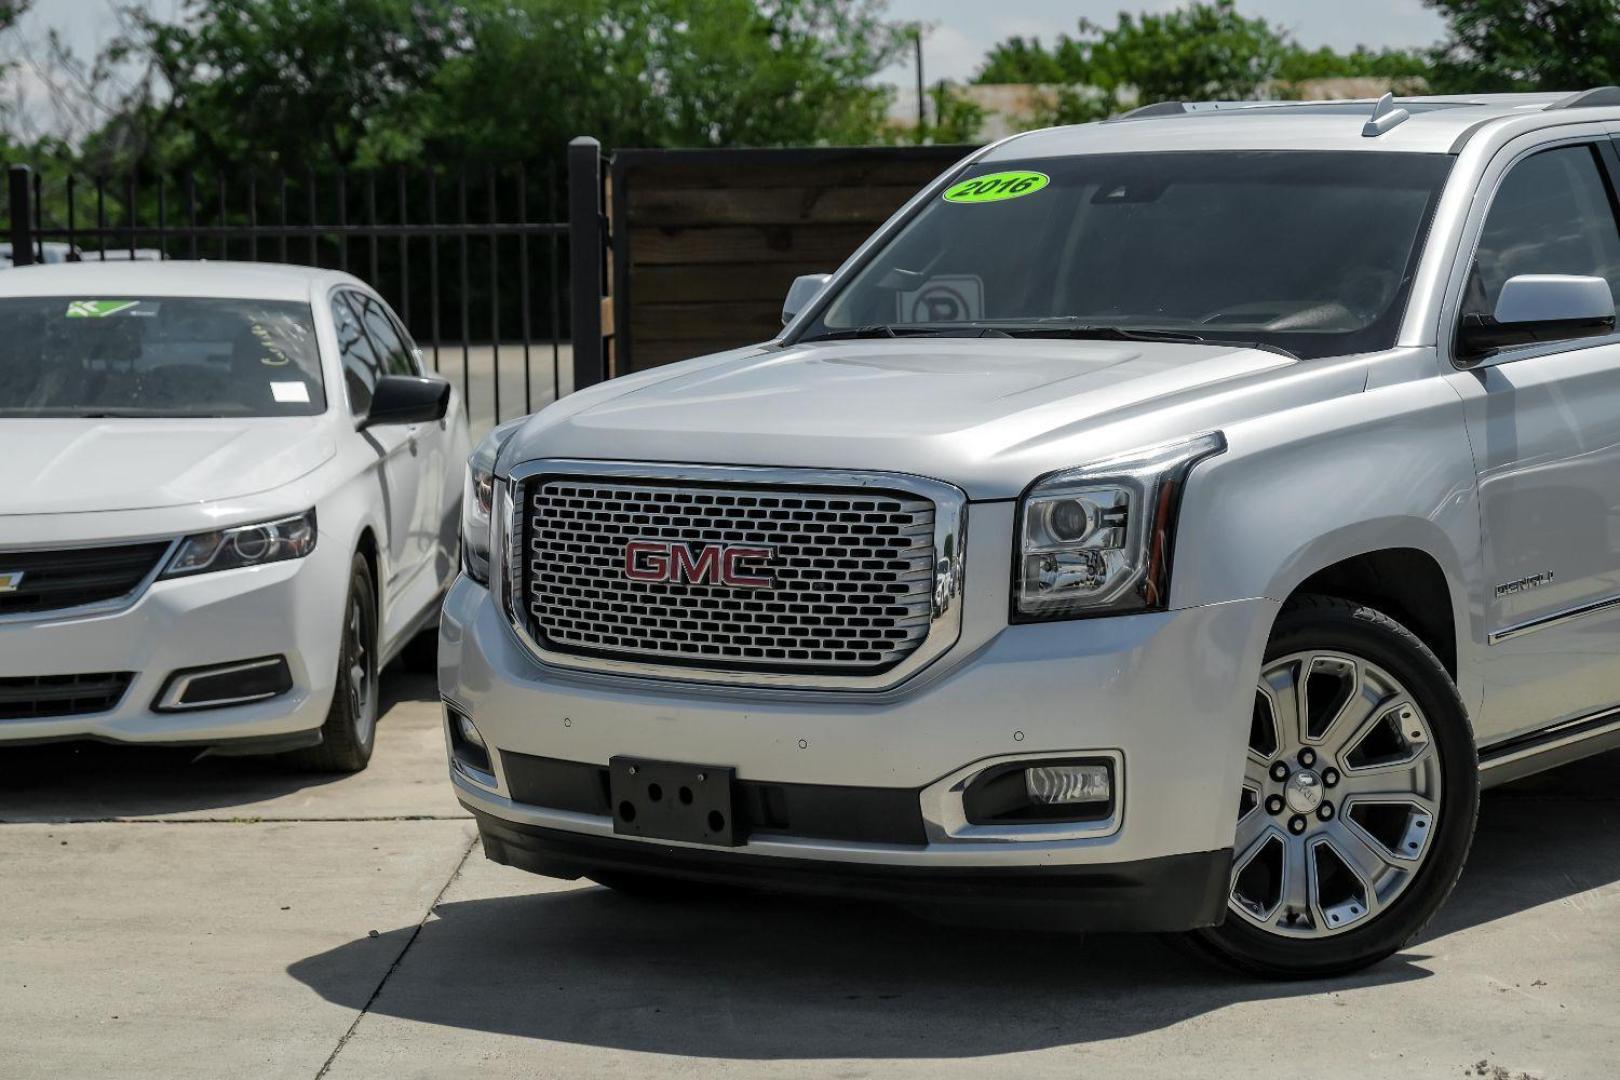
(975, 412)
(52, 466)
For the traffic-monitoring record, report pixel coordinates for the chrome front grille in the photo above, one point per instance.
(849, 584)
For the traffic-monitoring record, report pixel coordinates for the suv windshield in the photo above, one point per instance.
(158, 356)
(1307, 251)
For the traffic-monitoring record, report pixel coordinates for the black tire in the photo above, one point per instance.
(1329, 623)
(656, 887)
(421, 653)
(350, 731)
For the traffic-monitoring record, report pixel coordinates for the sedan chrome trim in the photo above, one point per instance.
(950, 552)
(171, 701)
(1557, 618)
(100, 607)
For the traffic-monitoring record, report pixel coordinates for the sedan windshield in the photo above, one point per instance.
(157, 356)
(1306, 251)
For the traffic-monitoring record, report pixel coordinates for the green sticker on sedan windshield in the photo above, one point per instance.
(99, 309)
(994, 187)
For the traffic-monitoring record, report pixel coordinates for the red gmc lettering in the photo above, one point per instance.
(731, 575)
(710, 564)
(646, 560)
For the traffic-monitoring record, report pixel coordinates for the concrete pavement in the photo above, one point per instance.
(167, 919)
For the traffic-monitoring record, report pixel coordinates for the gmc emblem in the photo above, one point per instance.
(708, 564)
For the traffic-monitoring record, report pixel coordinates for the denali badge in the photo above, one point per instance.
(1524, 584)
(710, 564)
(11, 581)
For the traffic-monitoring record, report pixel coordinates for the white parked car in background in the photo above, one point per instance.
(228, 496)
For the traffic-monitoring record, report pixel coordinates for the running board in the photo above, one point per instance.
(1550, 747)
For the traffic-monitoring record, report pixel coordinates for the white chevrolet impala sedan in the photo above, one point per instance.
(228, 495)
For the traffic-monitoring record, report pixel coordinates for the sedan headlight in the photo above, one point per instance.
(1097, 540)
(245, 545)
(478, 500)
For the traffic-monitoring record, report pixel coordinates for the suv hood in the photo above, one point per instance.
(987, 414)
(54, 466)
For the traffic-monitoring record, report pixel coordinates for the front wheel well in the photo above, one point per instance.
(366, 546)
(1404, 583)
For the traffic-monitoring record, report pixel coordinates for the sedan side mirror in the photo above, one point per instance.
(800, 293)
(407, 399)
(1539, 307)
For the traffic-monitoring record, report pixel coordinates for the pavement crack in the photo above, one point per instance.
(416, 932)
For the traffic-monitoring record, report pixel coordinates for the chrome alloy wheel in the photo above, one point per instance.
(1341, 795)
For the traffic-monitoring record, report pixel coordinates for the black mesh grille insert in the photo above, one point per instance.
(32, 581)
(34, 697)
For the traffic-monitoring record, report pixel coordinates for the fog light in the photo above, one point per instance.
(1068, 789)
(1065, 785)
(468, 750)
(218, 685)
(469, 732)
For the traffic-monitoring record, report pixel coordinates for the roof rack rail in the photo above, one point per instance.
(1595, 98)
(1158, 108)
(1384, 116)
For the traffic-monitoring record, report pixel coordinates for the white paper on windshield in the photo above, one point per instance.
(289, 393)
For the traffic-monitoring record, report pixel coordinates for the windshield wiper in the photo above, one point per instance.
(1061, 328)
(886, 330)
(1101, 332)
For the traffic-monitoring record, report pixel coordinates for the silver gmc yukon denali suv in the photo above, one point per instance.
(1164, 524)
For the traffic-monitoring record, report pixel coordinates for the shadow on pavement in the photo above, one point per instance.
(759, 978)
(94, 781)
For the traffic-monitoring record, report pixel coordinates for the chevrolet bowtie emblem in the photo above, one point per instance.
(11, 581)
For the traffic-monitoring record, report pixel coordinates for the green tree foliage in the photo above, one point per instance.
(1502, 45)
(356, 83)
(1202, 51)
(11, 11)
(1300, 64)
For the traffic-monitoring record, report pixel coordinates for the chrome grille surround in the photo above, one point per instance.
(13, 557)
(888, 615)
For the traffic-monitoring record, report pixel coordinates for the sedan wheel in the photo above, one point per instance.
(350, 730)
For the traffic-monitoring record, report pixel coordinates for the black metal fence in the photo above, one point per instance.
(476, 264)
(514, 301)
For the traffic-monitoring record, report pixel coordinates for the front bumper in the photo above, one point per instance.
(280, 609)
(1169, 693)
(1174, 892)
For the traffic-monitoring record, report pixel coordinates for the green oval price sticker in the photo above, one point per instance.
(994, 187)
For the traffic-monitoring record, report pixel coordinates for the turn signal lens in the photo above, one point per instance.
(1061, 785)
(478, 501)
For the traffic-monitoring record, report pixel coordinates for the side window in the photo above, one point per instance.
(396, 354)
(361, 363)
(1551, 215)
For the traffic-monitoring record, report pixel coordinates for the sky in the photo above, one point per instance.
(961, 30)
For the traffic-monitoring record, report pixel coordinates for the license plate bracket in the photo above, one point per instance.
(663, 800)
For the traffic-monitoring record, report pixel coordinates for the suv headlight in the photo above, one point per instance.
(1097, 540)
(244, 545)
(478, 500)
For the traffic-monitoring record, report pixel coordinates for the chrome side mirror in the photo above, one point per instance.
(1538, 307)
(800, 293)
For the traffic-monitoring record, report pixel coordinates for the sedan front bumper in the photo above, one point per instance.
(282, 609)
